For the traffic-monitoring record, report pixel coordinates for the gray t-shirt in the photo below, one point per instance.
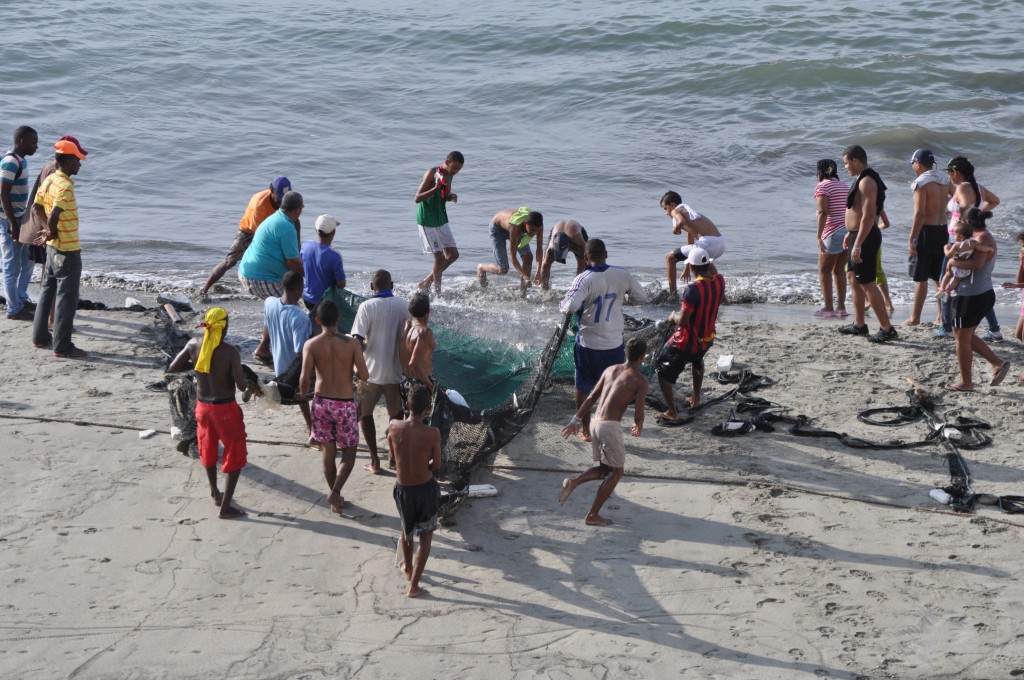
(378, 321)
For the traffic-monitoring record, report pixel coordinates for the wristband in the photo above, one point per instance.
(574, 421)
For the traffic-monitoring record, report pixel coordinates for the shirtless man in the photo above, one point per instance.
(417, 449)
(864, 204)
(335, 356)
(619, 385)
(218, 368)
(700, 231)
(511, 233)
(417, 349)
(566, 236)
(432, 196)
(928, 233)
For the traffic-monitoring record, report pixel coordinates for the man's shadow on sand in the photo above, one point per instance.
(623, 605)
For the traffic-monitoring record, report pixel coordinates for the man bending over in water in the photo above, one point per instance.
(218, 368)
(511, 233)
(567, 236)
(618, 385)
(334, 356)
(417, 449)
(700, 232)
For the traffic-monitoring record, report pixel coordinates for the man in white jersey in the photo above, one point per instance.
(700, 233)
(597, 296)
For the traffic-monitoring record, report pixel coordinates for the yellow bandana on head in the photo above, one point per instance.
(216, 320)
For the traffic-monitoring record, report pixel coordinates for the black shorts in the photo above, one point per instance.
(930, 243)
(967, 311)
(673, 360)
(417, 507)
(867, 270)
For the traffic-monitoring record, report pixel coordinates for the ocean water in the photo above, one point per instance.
(589, 110)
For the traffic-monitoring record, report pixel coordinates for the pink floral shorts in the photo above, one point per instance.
(336, 420)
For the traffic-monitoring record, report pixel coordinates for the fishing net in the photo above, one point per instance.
(502, 382)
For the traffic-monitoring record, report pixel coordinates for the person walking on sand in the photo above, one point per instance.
(567, 236)
(416, 449)
(432, 197)
(976, 297)
(701, 232)
(335, 357)
(262, 205)
(14, 195)
(864, 204)
(596, 297)
(618, 386)
(928, 230)
(693, 337)
(511, 233)
(57, 207)
(830, 199)
(218, 367)
(378, 325)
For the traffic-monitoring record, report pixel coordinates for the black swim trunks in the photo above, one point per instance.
(967, 311)
(417, 507)
(672, 361)
(866, 271)
(930, 243)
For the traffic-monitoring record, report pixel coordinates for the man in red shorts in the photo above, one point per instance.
(218, 367)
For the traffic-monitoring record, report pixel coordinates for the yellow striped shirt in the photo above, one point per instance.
(58, 191)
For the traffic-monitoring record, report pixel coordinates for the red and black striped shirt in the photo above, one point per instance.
(701, 299)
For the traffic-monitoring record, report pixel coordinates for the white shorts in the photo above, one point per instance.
(713, 245)
(436, 239)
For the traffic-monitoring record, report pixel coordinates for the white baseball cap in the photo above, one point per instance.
(326, 224)
(697, 256)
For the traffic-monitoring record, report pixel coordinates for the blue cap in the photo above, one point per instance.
(923, 156)
(280, 186)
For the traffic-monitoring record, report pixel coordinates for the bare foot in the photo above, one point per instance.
(312, 443)
(392, 465)
(218, 497)
(568, 486)
(665, 415)
(598, 521)
(406, 571)
(336, 501)
(585, 435)
(693, 402)
(231, 513)
(372, 469)
(912, 322)
(959, 387)
(416, 591)
(481, 276)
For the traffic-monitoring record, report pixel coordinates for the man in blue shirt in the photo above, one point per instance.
(274, 251)
(289, 327)
(322, 265)
(14, 193)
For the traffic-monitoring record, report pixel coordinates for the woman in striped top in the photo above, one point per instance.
(830, 197)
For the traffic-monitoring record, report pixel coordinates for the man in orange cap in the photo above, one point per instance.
(55, 204)
(261, 206)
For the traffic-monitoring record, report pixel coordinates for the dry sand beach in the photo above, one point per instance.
(763, 556)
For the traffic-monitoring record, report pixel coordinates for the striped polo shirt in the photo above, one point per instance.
(19, 192)
(58, 191)
(701, 299)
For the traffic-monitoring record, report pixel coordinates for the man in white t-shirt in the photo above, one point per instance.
(597, 296)
(378, 323)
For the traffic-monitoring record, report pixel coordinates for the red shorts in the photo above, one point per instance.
(221, 423)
